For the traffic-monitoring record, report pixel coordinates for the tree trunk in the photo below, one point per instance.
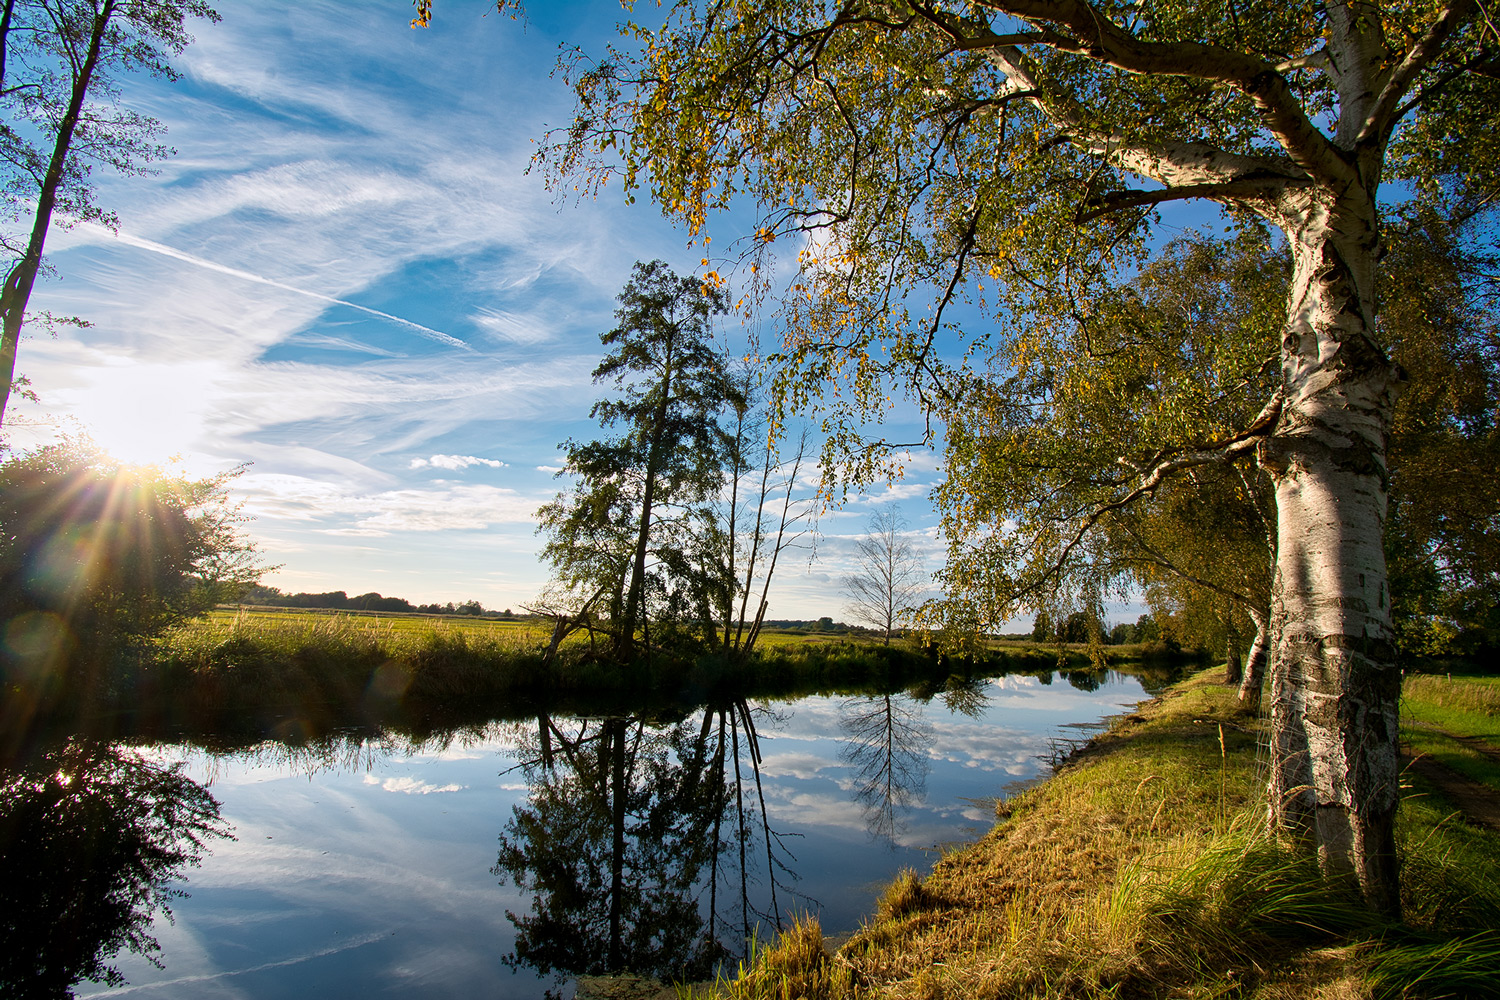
(1234, 667)
(635, 597)
(614, 745)
(1334, 682)
(16, 292)
(1255, 666)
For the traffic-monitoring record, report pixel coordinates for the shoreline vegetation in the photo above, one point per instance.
(1140, 869)
(296, 673)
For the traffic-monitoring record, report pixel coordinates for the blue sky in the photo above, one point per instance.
(346, 278)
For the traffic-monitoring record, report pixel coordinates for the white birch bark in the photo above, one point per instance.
(1334, 682)
(1254, 675)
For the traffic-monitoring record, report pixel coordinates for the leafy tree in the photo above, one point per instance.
(889, 582)
(1443, 537)
(95, 555)
(1010, 153)
(636, 535)
(60, 64)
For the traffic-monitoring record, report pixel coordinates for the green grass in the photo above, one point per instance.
(225, 618)
(1436, 708)
(1462, 705)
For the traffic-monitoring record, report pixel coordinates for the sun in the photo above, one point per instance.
(145, 414)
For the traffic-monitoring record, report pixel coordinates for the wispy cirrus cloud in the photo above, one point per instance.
(234, 272)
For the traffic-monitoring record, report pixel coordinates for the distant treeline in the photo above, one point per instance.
(341, 601)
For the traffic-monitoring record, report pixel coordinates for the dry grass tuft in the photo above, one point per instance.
(908, 894)
(796, 967)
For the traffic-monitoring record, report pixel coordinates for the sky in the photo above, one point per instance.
(346, 278)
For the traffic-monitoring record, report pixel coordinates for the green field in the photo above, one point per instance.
(226, 618)
(1443, 716)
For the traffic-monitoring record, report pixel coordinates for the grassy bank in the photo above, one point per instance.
(1137, 871)
(1455, 721)
(265, 669)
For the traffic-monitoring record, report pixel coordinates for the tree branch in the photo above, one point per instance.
(1383, 116)
(1105, 42)
(1248, 188)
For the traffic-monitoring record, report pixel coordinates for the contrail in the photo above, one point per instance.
(235, 272)
(206, 977)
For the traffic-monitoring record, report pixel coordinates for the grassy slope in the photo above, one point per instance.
(1134, 873)
(1435, 709)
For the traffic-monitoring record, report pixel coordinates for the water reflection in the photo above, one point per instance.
(655, 842)
(888, 753)
(643, 846)
(609, 845)
(91, 836)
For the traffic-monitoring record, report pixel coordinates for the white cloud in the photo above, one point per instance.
(795, 765)
(455, 462)
(411, 786)
(452, 507)
(513, 328)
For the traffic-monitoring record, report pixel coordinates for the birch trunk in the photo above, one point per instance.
(1255, 665)
(1334, 682)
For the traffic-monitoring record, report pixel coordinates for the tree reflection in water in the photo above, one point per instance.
(629, 835)
(887, 751)
(91, 836)
(889, 745)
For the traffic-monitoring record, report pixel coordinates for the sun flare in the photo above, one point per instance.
(148, 414)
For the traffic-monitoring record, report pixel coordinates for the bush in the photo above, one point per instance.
(96, 557)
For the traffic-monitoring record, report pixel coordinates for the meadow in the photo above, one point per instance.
(264, 669)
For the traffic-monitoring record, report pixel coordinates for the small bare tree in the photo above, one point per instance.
(890, 580)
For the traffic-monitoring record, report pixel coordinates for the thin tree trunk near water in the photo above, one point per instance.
(16, 292)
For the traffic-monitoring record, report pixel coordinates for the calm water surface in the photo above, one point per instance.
(484, 862)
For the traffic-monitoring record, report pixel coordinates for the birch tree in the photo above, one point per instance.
(60, 65)
(888, 582)
(1002, 154)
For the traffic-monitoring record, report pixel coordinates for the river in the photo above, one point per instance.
(498, 859)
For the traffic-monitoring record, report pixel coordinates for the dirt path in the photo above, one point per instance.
(1478, 802)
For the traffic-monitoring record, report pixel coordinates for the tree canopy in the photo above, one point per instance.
(1010, 155)
(96, 556)
(637, 528)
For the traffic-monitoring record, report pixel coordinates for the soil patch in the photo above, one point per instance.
(1476, 801)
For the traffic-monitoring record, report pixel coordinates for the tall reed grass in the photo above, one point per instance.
(1480, 696)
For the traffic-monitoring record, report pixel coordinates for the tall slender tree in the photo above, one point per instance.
(60, 65)
(627, 532)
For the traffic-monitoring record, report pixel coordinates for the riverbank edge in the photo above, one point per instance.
(300, 678)
(1135, 870)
